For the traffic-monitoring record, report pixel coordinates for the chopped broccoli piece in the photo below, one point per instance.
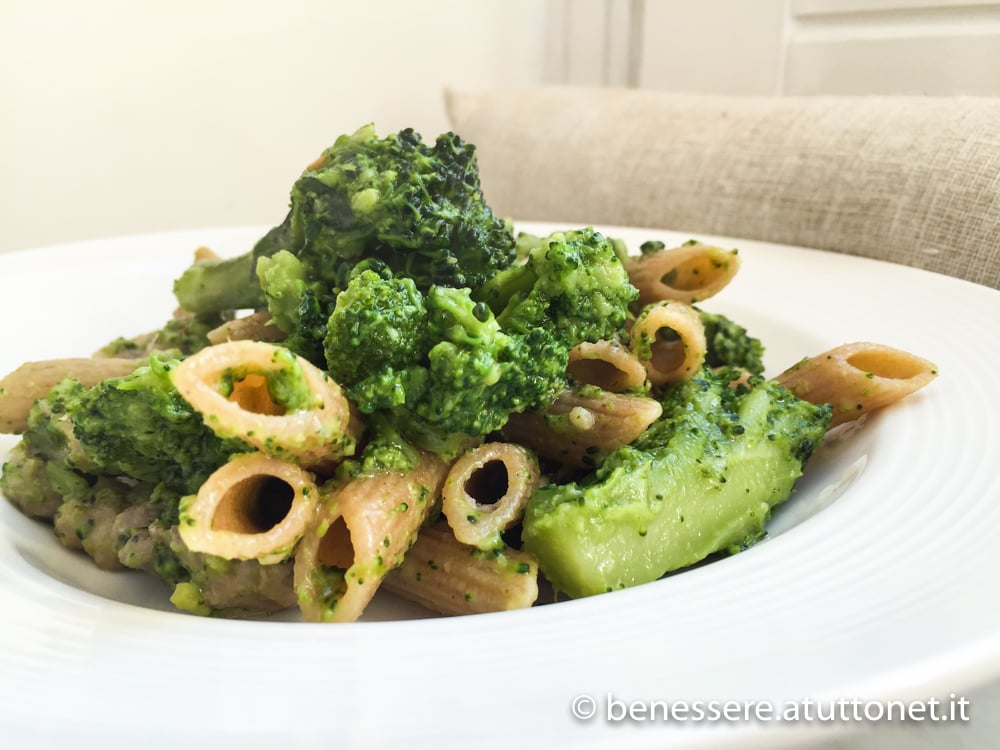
(379, 321)
(729, 344)
(701, 479)
(137, 426)
(215, 285)
(299, 307)
(439, 362)
(571, 281)
(418, 208)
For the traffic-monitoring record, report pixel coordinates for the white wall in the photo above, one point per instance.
(806, 47)
(118, 116)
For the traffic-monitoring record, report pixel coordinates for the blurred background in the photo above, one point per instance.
(119, 117)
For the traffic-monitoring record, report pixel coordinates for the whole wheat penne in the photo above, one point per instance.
(270, 398)
(362, 531)
(584, 425)
(690, 273)
(451, 578)
(486, 490)
(606, 364)
(668, 338)
(254, 507)
(858, 378)
(33, 380)
(254, 327)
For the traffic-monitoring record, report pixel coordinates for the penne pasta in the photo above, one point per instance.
(584, 425)
(252, 508)
(270, 398)
(448, 577)
(668, 338)
(486, 490)
(364, 528)
(87, 522)
(606, 364)
(33, 380)
(254, 327)
(857, 378)
(690, 273)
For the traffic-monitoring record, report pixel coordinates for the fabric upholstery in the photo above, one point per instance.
(905, 179)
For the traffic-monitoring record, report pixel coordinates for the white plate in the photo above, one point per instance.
(863, 590)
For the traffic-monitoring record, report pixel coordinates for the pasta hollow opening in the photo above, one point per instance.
(335, 548)
(488, 484)
(598, 372)
(251, 394)
(694, 273)
(667, 351)
(887, 364)
(254, 505)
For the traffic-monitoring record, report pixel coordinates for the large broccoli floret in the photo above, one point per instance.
(418, 208)
(571, 281)
(703, 478)
(439, 362)
(136, 426)
(730, 345)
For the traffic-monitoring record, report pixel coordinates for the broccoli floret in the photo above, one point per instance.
(730, 345)
(418, 208)
(299, 307)
(478, 374)
(139, 426)
(379, 321)
(701, 479)
(571, 281)
(440, 362)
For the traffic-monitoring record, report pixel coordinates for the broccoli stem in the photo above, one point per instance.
(218, 285)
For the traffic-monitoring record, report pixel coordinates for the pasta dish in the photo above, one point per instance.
(394, 389)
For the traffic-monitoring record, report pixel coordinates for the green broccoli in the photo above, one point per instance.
(379, 323)
(439, 362)
(135, 426)
(573, 282)
(730, 345)
(418, 208)
(701, 479)
(299, 307)
(212, 286)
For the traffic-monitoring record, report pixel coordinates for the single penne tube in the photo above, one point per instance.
(582, 426)
(690, 273)
(668, 338)
(451, 578)
(254, 327)
(33, 380)
(272, 399)
(857, 378)
(254, 507)
(606, 364)
(486, 490)
(364, 528)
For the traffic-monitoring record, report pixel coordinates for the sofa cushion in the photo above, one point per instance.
(906, 179)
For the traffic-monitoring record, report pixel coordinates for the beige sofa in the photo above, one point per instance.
(905, 179)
